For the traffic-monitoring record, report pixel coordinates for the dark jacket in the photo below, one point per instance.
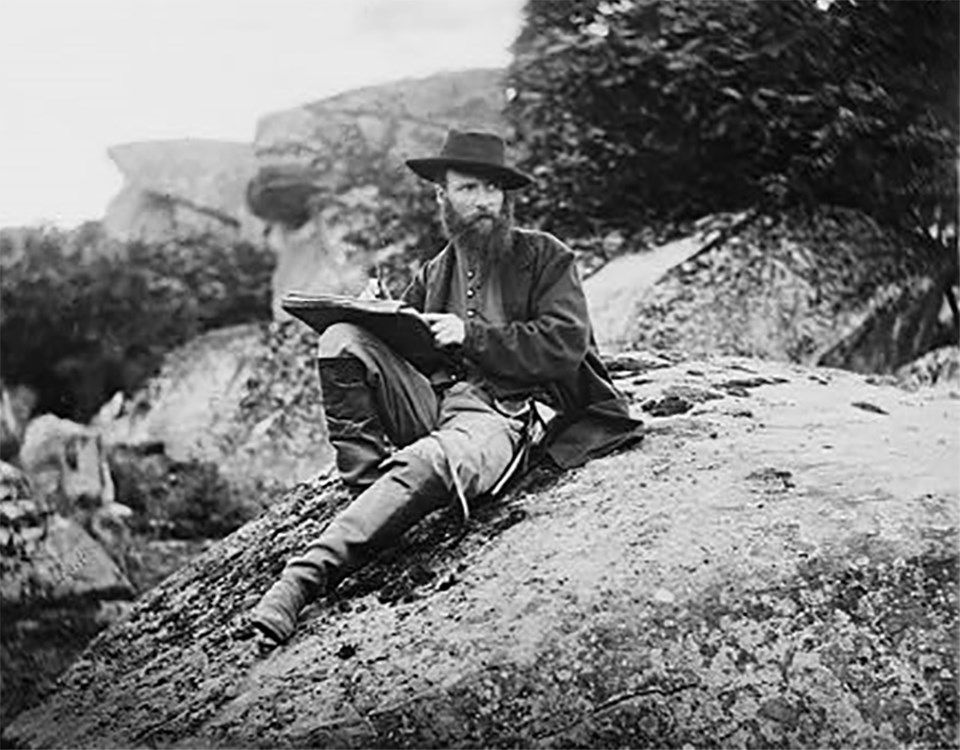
(548, 347)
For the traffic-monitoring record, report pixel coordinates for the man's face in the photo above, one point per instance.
(473, 197)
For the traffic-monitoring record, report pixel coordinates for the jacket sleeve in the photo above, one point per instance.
(415, 295)
(552, 343)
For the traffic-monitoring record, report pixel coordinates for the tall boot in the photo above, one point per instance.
(276, 613)
(353, 422)
(376, 519)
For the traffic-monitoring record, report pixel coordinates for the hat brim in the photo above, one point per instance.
(435, 170)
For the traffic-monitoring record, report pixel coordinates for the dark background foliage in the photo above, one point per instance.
(82, 317)
(645, 111)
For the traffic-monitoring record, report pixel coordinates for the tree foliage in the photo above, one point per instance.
(636, 111)
(79, 321)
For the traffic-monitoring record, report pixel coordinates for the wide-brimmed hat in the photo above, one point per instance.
(476, 153)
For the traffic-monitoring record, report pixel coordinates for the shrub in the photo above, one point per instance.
(177, 500)
(80, 321)
(636, 111)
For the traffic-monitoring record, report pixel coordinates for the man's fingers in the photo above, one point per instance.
(447, 328)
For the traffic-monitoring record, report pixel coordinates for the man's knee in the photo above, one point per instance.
(341, 339)
(420, 464)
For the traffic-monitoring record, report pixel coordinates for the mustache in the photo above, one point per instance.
(466, 225)
(469, 232)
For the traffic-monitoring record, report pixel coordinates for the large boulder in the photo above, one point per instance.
(828, 287)
(774, 565)
(46, 558)
(67, 464)
(327, 169)
(183, 188)
(69, 472)
(316, 177)
(244, 398)
(938, 368)
(617, 289)
(58, 588)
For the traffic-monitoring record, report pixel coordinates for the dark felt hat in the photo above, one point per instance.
(475, 153)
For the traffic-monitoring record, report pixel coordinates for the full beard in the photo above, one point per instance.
(487, 239)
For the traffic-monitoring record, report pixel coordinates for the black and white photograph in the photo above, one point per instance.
(479, 374)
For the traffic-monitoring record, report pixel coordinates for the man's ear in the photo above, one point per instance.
(440, 192)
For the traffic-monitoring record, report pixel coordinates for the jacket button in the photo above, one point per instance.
(471, 313)
(469, 292)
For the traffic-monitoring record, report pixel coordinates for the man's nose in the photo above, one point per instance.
(487, 198)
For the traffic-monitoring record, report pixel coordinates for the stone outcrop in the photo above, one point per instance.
(53, 575)
(245, 398)
(66, 564)
(774, 565)
(67, 464)
(830, 287)
(618, 288)
(70, 474)
(314, 177)
(47, 558)
(182, 188)
(939, 368)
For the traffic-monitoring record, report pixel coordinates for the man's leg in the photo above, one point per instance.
(472, 441)
(371, 398)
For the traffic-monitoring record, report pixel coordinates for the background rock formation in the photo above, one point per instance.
(244, 398)
(182, 188)
(58, 587)
(827, 287)
(330, 171)
(316, 180)
(774, 565)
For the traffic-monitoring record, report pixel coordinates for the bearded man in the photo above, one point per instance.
(508, 306)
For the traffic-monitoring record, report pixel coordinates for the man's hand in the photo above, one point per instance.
(447, 328)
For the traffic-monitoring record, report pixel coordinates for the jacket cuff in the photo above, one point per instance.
(471, 339)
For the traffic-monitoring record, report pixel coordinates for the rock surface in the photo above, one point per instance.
(616, 290)
(66, 564)
(46, 558)
(55, 581)
(179, 188)
(245, 398)
(67, 464)
(829, 288)
(775, 565)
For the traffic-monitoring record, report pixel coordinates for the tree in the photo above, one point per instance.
(645, 110)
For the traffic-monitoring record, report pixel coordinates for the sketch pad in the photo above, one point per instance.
(400, 327)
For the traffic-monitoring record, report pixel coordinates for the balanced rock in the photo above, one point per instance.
(774, 565)
(316, 177)
(183, 188)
